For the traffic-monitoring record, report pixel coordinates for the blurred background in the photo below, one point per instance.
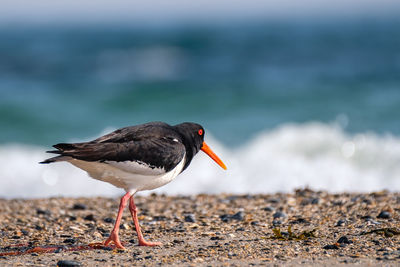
(291, 94)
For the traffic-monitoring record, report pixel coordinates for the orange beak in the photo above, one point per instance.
(206, 149)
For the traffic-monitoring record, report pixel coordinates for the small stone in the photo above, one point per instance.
(67, 263)
(124, 226)
(315, 201)
(89, 217)
(334, 246)
(367, 201)
(370, 219)
(269, 209)
(239, 216)
(190, 218)
(279, 214)
(60, 249)
(340, 222)
(273, 200)
(384, 215)
(79, 206)
(276, 223)
(225, 217)
(69, 241)
(344, 240)
(160, 218)
(299, 220)
(109, 220)
(43, 212)
(24, 232)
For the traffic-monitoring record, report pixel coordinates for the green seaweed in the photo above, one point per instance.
(387, 232)
(305, 235)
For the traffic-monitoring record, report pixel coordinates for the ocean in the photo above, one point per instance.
(285, 104)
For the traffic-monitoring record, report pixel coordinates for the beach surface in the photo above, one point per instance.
(305, 227)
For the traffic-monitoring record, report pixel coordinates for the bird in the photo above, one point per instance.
(136, 158)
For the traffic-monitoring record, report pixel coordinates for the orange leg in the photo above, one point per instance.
(114, 233)
(142, 242)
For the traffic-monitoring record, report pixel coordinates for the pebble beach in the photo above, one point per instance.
(303, 228)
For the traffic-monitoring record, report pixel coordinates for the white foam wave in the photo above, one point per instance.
(320, 156)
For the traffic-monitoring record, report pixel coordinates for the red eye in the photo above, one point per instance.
(200, 132)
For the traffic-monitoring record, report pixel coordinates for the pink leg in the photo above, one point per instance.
(142, 242)
(114, 233)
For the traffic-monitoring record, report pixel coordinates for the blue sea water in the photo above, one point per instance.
(284, 104)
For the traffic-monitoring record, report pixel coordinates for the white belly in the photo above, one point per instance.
(123, 178)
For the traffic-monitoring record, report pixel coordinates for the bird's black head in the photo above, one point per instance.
(192, 135)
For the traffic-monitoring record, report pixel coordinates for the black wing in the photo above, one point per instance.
(155, 144)
(157, 153)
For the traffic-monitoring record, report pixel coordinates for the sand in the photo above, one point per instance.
(302, 228)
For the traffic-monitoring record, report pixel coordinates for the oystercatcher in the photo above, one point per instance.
(137, 158)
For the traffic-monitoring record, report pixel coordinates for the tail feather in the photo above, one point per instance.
(65, 146)
(62, 147)
(54, 159)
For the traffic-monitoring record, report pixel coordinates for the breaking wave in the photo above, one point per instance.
(316, 155)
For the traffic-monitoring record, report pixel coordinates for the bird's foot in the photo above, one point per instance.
(149, 244)
(114, 238)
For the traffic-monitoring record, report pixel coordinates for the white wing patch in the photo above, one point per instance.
(136, 167)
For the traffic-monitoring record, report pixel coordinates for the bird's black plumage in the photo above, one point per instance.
(157, 144)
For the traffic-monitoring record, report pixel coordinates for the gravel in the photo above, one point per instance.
(207, 230)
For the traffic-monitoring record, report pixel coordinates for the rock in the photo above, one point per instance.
(299, 221)
(67, 263)
(384, 215)
(344, 240)
(79, 206)
(279, 214)
(190, 218)
(69, 241)
(340, 222)
(239, 216)
(60, 249)
(89, 217)
(334, 246)
(276, 223)
(43, 212)
(159, 218)
(24, 232)
(108, 220)
(315, 201)
(269, 208)
(273, 200)
(124, 226)
(370, 219)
